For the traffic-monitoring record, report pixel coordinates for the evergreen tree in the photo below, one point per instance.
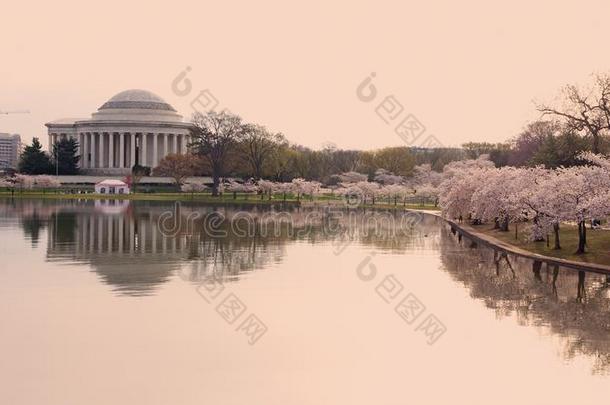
(34, 160)
(65, 156)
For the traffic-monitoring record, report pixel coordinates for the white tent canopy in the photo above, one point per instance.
(111, 186)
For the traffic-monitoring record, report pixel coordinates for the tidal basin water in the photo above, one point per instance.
(112, 302)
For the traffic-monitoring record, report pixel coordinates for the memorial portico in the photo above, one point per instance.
(133, 127)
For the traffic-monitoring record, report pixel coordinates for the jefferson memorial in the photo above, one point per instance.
(133, 127)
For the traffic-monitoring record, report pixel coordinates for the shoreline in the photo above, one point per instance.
(497, 244)
(207, 198)
(463, 229)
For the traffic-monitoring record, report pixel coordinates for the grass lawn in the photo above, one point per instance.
(201, 197)
(226, 198)
(598, 242)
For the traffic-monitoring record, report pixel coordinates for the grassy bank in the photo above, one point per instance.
(227, 198)
(598, 242)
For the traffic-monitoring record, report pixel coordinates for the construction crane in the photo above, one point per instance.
(14, 112)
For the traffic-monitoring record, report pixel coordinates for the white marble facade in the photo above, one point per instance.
(133, 127)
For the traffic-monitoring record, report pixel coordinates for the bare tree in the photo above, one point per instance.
(178, 167)
(585, 109)
(528, 142)
(258, 147)
(214, 136)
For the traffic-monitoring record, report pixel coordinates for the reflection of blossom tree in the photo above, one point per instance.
(574, 305)
(228, 242)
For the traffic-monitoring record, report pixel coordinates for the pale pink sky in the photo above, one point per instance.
(468, 70)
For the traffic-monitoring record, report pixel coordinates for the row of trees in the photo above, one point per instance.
(548, 143)
(229, 147)
(63, 160)
(226, 146)
(577, 121)
(477, 190)
(354, 187)
(28, 182)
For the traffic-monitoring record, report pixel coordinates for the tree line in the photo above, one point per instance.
(477, 191)
(225, 146)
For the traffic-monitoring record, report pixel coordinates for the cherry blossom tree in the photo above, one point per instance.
(247, 187)
(386, 177)
(266, 187)
(303, 187)
(24, 181)
(368, 190)
(496, 197)
(424, 175)
(45, 182)
(395, 192)
(425, 182)
(428, 191)
(460, 180)
(192, 188)
(282, 188)
(352, 177)
(578, 200)
(351, 193)
(537, 200)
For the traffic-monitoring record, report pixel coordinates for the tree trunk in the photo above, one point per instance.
(556, 231)
(595, 144)
(538, 238)
(504, 227)
(216, 185)
(555, 275)
(581, 291)
(581, 238)
(536, 266)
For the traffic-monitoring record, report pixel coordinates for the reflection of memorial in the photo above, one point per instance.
(126, 250)
(123, 243)
(572, 304)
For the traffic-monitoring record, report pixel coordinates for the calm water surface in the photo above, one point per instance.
(101, 305)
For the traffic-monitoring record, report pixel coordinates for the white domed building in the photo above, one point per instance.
(133, 127)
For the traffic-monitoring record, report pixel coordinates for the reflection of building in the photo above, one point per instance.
(126, 250)
(9, 150)
(133, 127)
(111, 206)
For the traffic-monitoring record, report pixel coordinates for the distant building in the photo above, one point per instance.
(10, 145)
(112, 186)
(133, 127)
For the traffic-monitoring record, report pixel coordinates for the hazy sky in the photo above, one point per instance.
(467, 70)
